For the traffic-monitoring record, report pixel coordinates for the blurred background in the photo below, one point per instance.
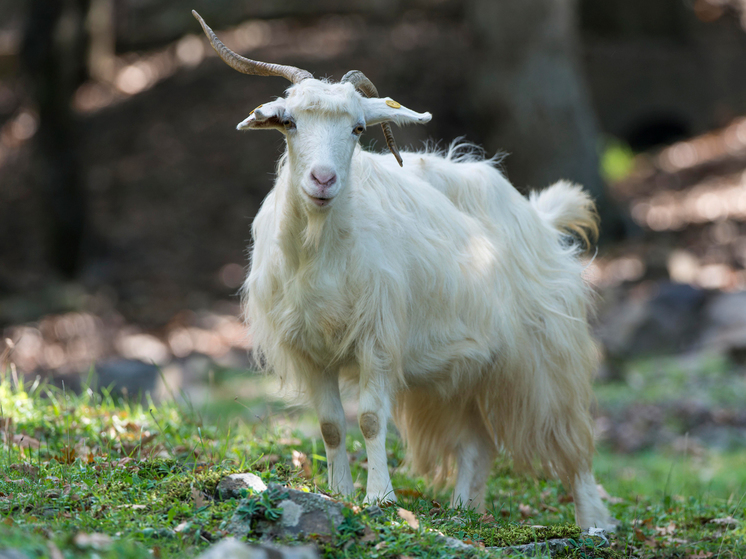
(126, 194)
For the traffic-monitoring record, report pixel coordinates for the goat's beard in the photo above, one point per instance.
(314, 230)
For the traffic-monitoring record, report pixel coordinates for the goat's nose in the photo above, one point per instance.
(323, 176)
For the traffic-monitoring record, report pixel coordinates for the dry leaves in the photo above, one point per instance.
(93, 541)
(368, 535)
(526, 511)
(198, 498)
(606, 497)
(408, 517)
(301, 461)
(728, 522)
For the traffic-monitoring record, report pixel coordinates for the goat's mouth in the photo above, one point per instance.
(320, 202)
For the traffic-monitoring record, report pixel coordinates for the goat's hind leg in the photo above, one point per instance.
(328, 404)
(475, 455)
(590, 512)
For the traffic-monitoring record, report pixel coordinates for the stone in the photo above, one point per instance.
(128, 376)
(552, 548)
(12, 554)
(302, 514)
(230, 486)
(231, 548)
(667, 319)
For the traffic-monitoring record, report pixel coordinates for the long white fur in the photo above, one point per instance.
(454, 302)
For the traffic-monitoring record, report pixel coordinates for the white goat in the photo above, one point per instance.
(456, 304)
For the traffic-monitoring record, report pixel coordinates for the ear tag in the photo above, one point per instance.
(259, 107)
(393, 104)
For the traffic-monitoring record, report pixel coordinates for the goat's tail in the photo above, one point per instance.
(568, 208)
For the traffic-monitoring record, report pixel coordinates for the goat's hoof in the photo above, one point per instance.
(382, 500)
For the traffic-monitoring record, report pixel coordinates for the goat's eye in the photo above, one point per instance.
(359, 129)
(288, 123)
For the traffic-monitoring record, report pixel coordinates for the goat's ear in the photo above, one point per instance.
(264, 117)
(387, 110)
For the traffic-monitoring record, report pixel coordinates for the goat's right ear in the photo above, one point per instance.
(264, 117)
(379, 110)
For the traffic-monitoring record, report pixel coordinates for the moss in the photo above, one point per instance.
(513, 534)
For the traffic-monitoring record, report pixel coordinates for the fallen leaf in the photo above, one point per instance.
(640, 535)
(24, 441)
(409, 517)
(548, 508)
(727, 521)
(525, 510)
(94, 541)
(301, 461)
(66, 455)
(54, 551)
(487, 518)
(666, 530)
(26, 469)
(368, 535)
(409, 492)
(606, 497)
(700, 555)
(566, 498)
(198, 498)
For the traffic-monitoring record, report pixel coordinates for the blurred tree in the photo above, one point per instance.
(53, 55)
(532, 98)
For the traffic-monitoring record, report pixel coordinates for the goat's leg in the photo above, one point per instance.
(475, 455)
(590, 512)
(373, 417)
(328, 403)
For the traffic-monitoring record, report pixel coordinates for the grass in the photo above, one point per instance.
(91, 475)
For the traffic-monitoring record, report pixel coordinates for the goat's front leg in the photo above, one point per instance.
(373, 417)
(328, 403)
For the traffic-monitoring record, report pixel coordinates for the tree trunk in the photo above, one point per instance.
(54, 56)
(531, 97)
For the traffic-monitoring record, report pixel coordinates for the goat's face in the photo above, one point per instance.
(322, 123)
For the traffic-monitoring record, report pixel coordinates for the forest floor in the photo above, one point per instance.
(85, 472)
(92, 476)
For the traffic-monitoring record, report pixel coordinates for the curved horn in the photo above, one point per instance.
(246, 66)
(366, 87)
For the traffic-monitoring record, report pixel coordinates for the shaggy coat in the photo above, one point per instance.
(454, 302)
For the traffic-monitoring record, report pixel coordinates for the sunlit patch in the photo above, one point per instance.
(190, 50)
(481, 254)
(715, 199)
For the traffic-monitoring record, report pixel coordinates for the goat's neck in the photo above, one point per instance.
(306, 234)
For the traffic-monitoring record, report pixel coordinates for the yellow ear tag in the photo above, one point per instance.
(393, 104)
(252, 112)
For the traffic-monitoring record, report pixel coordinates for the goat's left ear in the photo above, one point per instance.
(387, 110)
(264, 117)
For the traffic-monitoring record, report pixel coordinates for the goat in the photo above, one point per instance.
(454, 303)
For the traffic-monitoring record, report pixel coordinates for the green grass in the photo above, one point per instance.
(145, 477)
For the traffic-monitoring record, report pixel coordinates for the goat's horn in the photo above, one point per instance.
(246, 66)
(366, 87)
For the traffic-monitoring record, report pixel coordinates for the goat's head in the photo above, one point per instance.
(322, 121)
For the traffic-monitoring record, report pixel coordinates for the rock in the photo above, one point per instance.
(12, 554)
(725, 326)
(128, 376)
(230, 486)
(667, 319)
(553, 548)
(231, 548)
(298, 514)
